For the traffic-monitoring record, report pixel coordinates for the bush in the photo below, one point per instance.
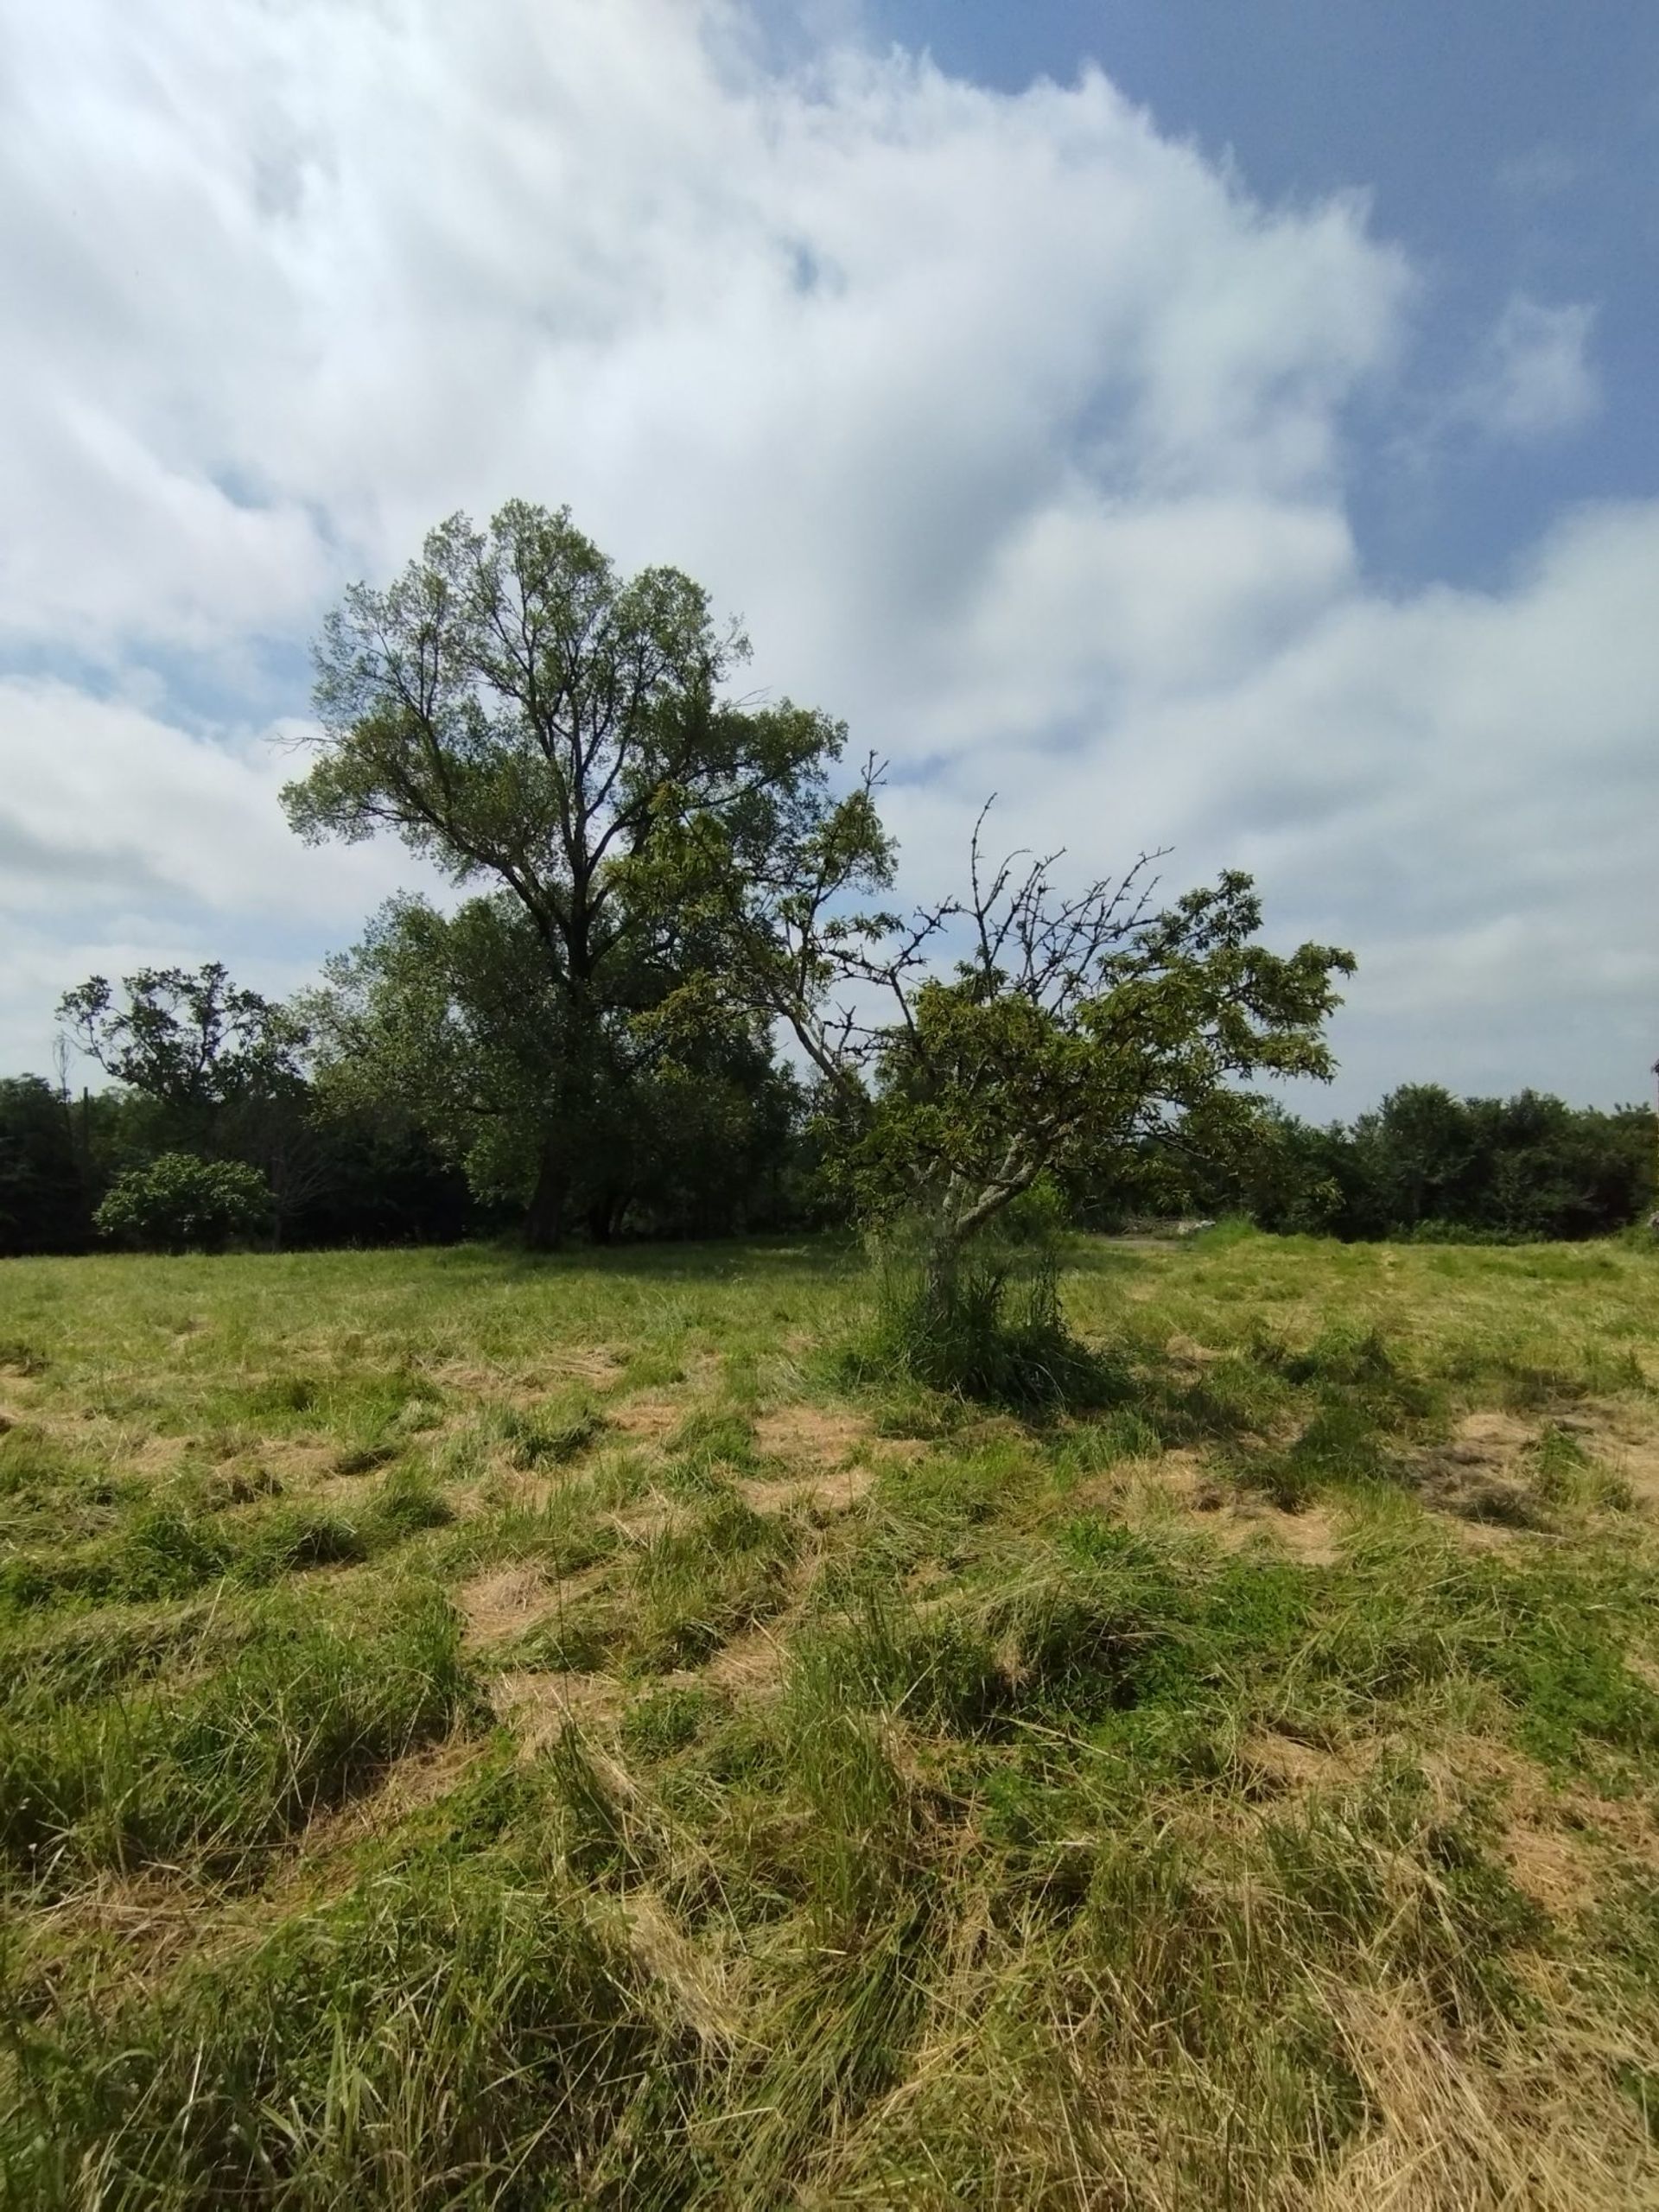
(180, 1202)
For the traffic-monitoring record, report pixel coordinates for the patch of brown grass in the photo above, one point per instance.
(595, 1365)
(1187, 1352)
(689, 1983)
(1558, 1838)
(834, 1489)
(1182, 1481)
(1287, 1764)
(1478, 1478)
(537, 1707)
(819, 1435)
(1458, 2129)
(508, 1601)
(750, 1664)
(648, 1419)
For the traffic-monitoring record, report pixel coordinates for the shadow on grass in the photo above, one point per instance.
(824, 1255)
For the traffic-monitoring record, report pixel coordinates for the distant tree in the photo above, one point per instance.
(1426, 1163)
(223, 1066)
(383, 1181)
(180, 1202)
(187, 1038)
(1259, 1161)
(456, 1020)
(516, 711)
(1419, 1154)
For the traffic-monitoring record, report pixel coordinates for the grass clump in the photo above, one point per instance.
(709, 1445)
(519, 2046)
(217, 1770)
(549, 1436)
(700, 1582)
(984, 1321)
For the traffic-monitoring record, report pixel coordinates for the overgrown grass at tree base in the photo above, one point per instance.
(983, 1320)
(714, 1774)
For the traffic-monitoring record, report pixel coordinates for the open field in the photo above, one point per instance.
(484, 1731)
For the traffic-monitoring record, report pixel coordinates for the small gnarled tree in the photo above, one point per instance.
(1019, 1028)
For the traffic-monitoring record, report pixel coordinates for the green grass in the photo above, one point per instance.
(476, 1732)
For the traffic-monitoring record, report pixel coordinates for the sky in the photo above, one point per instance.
(1226, 431)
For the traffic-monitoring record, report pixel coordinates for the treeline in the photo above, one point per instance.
(659, 879)
(1427, 1164)
(324, 1178)
(207, 1078)
(736, 1150)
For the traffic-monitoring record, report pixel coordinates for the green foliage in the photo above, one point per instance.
(1009, 1073)
(1438, 1168)
(550, 1436)
(190, 1040)
(1074, 1030)
(42, 1195)
(521, 2047)
(459, 1020)
(666, 1720)
(180, 1202)
(516, 711)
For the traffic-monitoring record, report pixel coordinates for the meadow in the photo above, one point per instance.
(484, 1731)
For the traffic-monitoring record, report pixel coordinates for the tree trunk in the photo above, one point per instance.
(602, 1217)
(544, 1217)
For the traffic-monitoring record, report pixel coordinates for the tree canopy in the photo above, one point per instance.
(514, 708)
(1018, 1028)
(457, 1019)
(187, 1038)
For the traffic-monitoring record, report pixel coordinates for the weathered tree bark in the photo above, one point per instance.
(544, 1216)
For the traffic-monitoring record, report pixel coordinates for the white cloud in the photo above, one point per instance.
(106, 807)
(1459, 785)
(300, 277)
(1535, 377)
(1017, 430)
(126, 841)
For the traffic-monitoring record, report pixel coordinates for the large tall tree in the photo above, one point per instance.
(456, 1020)
(514, 708)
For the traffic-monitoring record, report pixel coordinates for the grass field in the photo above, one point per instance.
(481, 1732)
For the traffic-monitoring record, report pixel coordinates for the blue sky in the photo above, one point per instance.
(1511, 145)
(1216, 426)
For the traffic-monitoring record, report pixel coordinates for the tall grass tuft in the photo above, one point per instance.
(451, 2034)
(217, 1770)
(981, 1320)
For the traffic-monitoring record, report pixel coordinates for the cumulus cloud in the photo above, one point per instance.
(324, 272)
(1535, 377)
(107, 806)
(126, 840)
(1018, 431)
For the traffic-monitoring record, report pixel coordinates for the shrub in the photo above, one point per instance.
(180, 1202)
